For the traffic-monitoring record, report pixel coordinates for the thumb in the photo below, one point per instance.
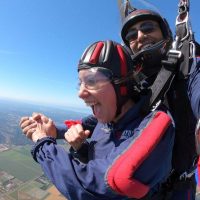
(36, 116)
(50, 121)
(87, 133)
(45, 119)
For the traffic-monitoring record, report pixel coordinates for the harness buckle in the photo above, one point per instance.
(188, 174)
(156, 105)
(185, 175)
(174, 56)
(183, 7)
(174, 53)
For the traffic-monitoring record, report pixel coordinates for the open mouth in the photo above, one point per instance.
(92, 105)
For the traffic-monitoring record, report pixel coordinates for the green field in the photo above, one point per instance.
(32, 190)
(19, 163)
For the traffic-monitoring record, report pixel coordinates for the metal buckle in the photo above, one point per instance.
(156, 105)
(175, 53)
(185, 175)
(183, 7)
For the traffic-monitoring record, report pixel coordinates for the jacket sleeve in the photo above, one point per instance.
(147, 161)
(61, 129)
(74, 179)
(194, 88)
(89, 123)
(77, 180)
(82, 153)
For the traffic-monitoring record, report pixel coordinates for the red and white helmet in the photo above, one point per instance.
(114, 57)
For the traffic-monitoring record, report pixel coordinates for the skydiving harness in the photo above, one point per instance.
(175, 68)
(179, 57)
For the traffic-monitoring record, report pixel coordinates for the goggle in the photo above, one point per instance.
(146, 27)
(95, 78)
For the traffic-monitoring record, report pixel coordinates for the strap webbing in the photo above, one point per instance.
(163, 81)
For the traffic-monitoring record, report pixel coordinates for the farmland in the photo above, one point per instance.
(19, 163)
(22, 178)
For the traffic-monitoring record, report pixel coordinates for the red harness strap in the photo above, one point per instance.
(120, 174)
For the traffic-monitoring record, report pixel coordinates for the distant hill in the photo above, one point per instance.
(11, 112)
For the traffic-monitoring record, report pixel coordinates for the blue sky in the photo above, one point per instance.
(41, 42)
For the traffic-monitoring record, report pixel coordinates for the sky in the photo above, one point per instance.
(41, 42)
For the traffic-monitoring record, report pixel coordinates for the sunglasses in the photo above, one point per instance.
(95, 78)
(146, 27)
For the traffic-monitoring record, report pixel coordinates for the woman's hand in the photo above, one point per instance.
(75, 136)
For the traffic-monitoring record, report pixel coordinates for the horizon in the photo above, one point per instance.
(84, 109)
(42, 41)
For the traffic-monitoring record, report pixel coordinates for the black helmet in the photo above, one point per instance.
(149, 58)
(113, 56)
(143, 14)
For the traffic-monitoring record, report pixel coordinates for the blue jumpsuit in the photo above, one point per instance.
(194, 87)
(187, 192)
(194, 96)
(123, 160)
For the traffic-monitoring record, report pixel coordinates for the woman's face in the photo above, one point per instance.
(97, 92)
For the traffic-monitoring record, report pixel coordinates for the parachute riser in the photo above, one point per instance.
(183, 22)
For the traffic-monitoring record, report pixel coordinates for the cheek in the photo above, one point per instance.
(111, 103)
(133, 46)
(158, 35)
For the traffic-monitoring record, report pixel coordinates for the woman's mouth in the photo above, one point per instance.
(94, 106)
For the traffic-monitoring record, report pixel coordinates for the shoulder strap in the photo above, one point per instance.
(178, 61)
(164, 79)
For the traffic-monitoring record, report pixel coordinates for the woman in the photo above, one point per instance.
(128, 155)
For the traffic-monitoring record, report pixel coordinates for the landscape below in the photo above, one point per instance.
(21, 178)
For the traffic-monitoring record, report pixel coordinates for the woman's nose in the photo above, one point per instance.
(83, 92)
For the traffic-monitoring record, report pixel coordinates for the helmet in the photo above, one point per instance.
(114, 57)
(139, 15)
(150, 57)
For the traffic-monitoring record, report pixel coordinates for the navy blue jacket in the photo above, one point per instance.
(194, 88)
(124, 159)
(194, 97)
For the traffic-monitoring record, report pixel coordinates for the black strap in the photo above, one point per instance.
(183, 47)
(171, 185)
(163, 81)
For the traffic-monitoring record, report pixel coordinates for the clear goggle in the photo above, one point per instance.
(95, 78)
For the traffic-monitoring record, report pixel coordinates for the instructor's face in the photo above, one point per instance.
(144, 34)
